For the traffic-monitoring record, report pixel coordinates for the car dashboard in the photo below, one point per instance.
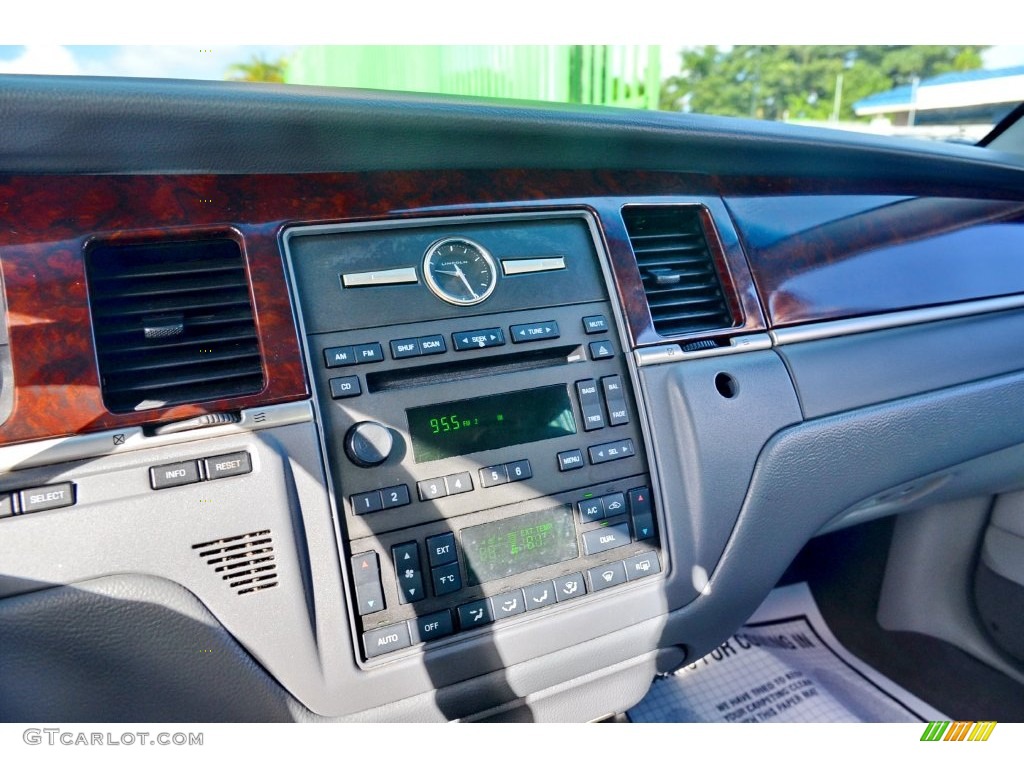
(348, 406)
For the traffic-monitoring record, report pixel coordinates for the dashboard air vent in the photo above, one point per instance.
(245, 562)
(677, 268)
(173, 323)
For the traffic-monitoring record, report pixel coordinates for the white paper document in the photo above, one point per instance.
(782, 666)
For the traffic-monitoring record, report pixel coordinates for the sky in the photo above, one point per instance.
(192, 62)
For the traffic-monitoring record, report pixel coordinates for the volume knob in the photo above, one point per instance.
(368, 443)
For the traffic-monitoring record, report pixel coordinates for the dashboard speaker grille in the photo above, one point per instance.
(245, 562)
(173, 323)
(683, 289)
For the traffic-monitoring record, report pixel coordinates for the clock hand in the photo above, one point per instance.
(446, 272)
(461, 275)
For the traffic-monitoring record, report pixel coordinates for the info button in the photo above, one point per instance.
(171, 475)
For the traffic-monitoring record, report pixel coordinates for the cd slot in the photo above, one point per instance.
(459, 370)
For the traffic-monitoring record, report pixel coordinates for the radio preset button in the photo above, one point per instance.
(569, 587)
(491, 476)
(441, 549)
(432, 345)
(481, 339)
(601, 350)
(519, 470)
(403, 348)
(431, 489)
(458, 483)
(568, 460)
(395, 496)
(603, 539)
(345, 386)
(533, 331)
(607, 575)
(595, 324)
(363, 503)
(336, 357)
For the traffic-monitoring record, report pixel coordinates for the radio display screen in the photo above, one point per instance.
(518, 544)
(495, 421)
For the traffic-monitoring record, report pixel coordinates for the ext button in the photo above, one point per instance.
(644, 564)
(603, 539)
(508, 604)
(491, 476)
(336, 357)
(402, 348)
(228, 465)
(595, 324)
(164, 476)
(475, 614)
(533, 332)
(369, 353)
(48, 497)
(459, 483)
(431, 489)
(431, 626)
(600, 350)
(345, 386)
(432, 345)
(386, 639)
(363, 503)
(487, 337)
(568, 460)
(441, 549)
(608, 575)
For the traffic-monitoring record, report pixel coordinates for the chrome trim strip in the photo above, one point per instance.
(831, 329)
(526, 266)
(672, 353)
(78, 447)
(380, 277)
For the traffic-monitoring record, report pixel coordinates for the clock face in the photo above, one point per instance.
(460, 271)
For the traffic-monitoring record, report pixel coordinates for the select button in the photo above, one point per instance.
(47, 497)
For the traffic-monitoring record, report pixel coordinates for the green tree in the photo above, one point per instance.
(777, 82)
(257, 70)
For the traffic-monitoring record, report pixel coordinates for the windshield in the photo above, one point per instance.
(945, 92)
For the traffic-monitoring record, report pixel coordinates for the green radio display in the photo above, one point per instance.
(495, 421)
(518, 544)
